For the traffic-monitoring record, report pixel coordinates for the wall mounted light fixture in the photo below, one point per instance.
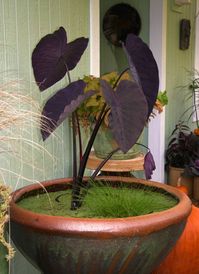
(185, 31)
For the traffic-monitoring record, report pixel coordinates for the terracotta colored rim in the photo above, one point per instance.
(108, 228)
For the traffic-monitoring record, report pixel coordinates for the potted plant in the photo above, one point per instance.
(89, 110)
(183, 149)
(88, 243)
(192, 170)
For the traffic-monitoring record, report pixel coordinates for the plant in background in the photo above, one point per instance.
(89, 110)
(161, 101)
(195, 91)
(183, 148)
(192, 169)
(193, 95)
(127, 103)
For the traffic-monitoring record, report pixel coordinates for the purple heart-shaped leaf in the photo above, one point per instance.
(52, 57)
(143, 67)
(149, 165)
(61, 105)
(128, 112)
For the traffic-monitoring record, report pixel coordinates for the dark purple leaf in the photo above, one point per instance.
(149, 165)
(128, 112)
(61, 105)
(143, 67)
(52, 57)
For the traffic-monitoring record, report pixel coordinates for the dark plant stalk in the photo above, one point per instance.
(139, 144)
(79, 135)
(75, 184)
(90, 143)
(75, 203)
(74, 118)
(103, 163)
(120, 77)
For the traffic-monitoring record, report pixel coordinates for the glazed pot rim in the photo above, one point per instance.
(91, 227)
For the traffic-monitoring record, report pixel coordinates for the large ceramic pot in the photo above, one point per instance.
(133, 245)
(3, 260)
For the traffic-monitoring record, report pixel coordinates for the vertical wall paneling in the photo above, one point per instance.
(156, 131)
(22, 24)
(180, 66)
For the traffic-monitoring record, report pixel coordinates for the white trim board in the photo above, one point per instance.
(157, 36)
(95, 37)
(196, 61)
(197, 38)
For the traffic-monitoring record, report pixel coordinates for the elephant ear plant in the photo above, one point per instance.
(129, 103)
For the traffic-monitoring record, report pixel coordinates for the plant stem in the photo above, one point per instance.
(75, 184)
(75, 188)
(103, 163)
(120, 77)
(90, 143)
(79, 135)
(139, 144)
(78, 181)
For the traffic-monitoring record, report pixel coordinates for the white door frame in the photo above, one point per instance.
(158, 11)
(157, 43)
(95, 37)
(197, 38)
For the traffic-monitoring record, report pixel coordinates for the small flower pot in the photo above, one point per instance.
(175, 178)
(196, 188)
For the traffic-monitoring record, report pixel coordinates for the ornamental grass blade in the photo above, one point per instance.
(61, 105)
(128, 112)
(143, 67)
(52, 57)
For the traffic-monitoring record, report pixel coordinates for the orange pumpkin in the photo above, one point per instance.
(184, 257)
(196, 131)
(183, 189)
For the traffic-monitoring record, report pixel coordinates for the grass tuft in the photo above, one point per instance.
(103, 201)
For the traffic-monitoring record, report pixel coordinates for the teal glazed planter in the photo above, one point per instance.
(133, 245)
(3, 261)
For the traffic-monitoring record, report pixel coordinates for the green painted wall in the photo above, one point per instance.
(179, 64)
(22, 24)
